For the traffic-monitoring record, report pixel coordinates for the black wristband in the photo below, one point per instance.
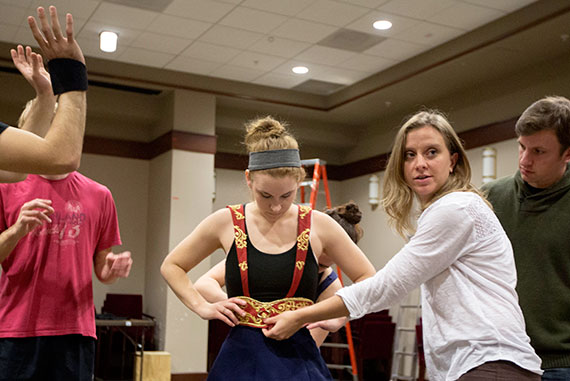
(67, 75)
(3, 126)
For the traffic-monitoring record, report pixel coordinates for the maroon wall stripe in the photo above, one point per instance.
(189, 377)
(185, 141)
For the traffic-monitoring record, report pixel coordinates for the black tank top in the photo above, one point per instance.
(271, 275)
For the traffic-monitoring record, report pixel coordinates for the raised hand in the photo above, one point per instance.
(51, 39)
(117, 265)
(32, 214)
(31, 65)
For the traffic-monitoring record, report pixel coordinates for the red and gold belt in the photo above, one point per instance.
(257, 311)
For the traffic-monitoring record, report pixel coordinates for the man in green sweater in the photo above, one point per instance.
(533, 206)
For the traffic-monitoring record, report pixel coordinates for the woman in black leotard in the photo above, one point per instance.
(273, 248)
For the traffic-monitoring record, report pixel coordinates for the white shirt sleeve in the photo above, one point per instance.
(444, 231)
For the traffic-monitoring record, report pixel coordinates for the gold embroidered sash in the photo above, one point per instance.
(257, 311)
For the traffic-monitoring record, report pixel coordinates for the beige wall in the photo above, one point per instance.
(128, 181)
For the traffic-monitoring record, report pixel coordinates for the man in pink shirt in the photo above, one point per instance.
(54, 230)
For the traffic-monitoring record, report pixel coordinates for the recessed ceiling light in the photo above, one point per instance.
(300, 70)
(108, 41)
(382, 25)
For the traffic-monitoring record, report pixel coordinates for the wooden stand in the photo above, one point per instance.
(156, 366)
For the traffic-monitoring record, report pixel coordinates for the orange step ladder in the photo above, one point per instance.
(320, 171)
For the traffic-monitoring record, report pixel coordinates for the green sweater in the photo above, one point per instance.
(538, 225)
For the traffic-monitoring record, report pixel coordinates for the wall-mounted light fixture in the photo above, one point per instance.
(489, 164)
(108, 41)
(373, 191)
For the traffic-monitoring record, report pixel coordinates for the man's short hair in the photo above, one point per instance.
(549, 113)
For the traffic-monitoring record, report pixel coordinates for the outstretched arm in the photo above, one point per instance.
(60, 150)
(109, 266)
(32, 214)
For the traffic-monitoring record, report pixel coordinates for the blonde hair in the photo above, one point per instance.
(266, 134)
(26, 111)
(398, 197)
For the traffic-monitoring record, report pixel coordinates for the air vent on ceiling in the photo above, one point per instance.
(151, 5)
(318, 87)
(347, 39)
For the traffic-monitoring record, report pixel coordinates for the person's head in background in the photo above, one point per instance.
(543, 132)
(348, 216)
(427, 162)
(273, 189)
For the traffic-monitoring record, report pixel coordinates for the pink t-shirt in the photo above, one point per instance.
(45, 287)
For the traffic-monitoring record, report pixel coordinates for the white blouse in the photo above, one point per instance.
(463, 260)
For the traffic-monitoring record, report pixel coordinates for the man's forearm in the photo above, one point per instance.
(65, 135)
(9, 238)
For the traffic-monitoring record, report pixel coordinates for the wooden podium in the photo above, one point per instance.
(155, 366)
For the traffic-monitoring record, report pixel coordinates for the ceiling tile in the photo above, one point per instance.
(332, 12)
(127, 17)
(301, 30)
(15, 16)
(237, 38)
(399, 23)
(340, 75)
(396, 49)
(287, 8)
(209, 52)
(466, 16)
(24, 37)
(178, 26)
(324, 55)
(504, 5)
(366, 63)
(83, 9)
(8, 32)
(426, 33)
(145, 57)
(161, 43)
(253, 20)
(279, 80)
(92, 29)
(418, 9)
(257, 61)
(366, 3)
(237, 73)
(17, 3)
(277, 46)
(192, 65)
(203, 10)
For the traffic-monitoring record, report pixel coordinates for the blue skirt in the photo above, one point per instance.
(248, 355)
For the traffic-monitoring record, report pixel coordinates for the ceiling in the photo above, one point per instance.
(259, 41)
(439, 53)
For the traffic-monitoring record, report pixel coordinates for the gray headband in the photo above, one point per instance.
(277, 158)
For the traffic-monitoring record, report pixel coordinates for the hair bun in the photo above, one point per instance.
(263, 129)
(351, 212)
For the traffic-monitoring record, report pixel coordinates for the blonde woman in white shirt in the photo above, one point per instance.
(459, 254)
